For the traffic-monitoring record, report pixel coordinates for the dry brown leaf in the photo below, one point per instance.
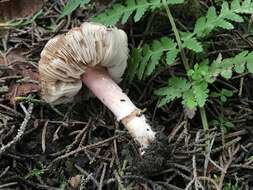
(13, 9)
(18, 65)
(16, 90)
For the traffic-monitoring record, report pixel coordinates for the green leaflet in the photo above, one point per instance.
(250, 62)
(189, 99)
(175, 89)
(204, 25)
(137, 8)
(200, 91)
(191, 42)
(195, 92)
(223, 94)
(239, 64)
(72, 5)
(147, 58)
(134, 60)
(171, 55)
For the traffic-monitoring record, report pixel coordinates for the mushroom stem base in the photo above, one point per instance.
(112, 96)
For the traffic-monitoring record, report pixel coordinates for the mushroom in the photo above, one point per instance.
(95, 55)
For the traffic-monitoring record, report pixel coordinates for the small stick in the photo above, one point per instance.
(43, 137)
(21, 130)
(102, 177)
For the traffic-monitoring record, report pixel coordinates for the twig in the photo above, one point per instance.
(83, 149)
(241, 87)
(209, 180)
(21, 129)
(102, 177)
(232, 153)
(80, 134)
(175, 130)
(11, 110)
(5, 171)
(230, 143)
(195, 175)
(43, 137)
(207, 157)
(8, 184)
(88, 175)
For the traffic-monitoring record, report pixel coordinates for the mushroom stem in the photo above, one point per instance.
(112, 96)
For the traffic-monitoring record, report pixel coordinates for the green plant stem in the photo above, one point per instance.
(175, 30)
(203, 118)
(184, 59)
(205, 125)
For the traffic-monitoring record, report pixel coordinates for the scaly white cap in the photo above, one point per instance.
(65, 58)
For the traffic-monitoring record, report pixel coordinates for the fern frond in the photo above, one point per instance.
(196, 92)
(191, 42)
(213, 19)
(204, 71)
(153, 53)
(200, 91)
(121, 13)
(193, 93)
(239, 64)
(250, 62)
(189, 100)
(228, 13)
(175, 89)
(72, 5)
(144, 61)
(133, 63)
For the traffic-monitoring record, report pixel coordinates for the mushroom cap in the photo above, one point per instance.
(65, 58)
